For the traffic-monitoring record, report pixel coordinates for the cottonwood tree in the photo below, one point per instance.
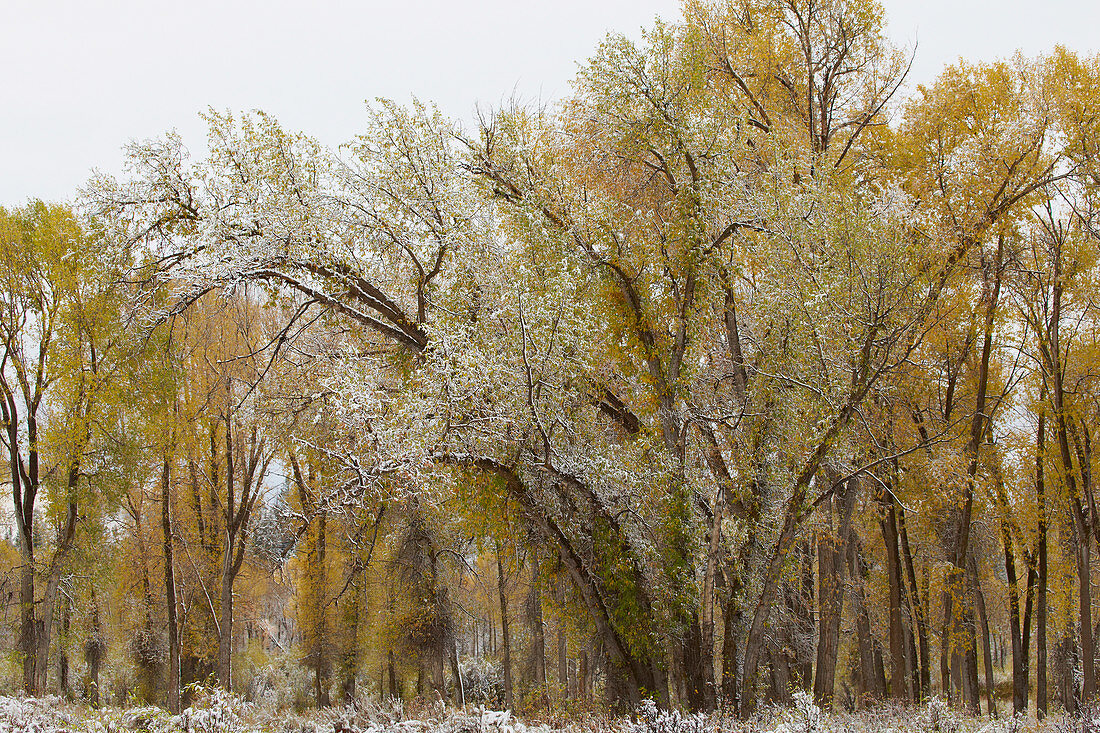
(62, 352)
(712, 296)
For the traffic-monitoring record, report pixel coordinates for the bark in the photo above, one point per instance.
(225, 623)
(95, 650)
(1019, 628)
(320, 643)
(899, 674)
(64, 685)
(945, 647)
(699, 668)
(1056, 370)
(830, 601)
(563, 659)
(173, 676)
(960, 627)
(391, 669)
(709, 596)
(48, 603)
(731, 683)
(28, 641)
(802, 604)
(873, 683)
(912, 658)
(583, 676)
(504, 634)
(987, 657)
(1066, 674)
(23, 474)
(1019, 658)
(1041, 592)
(780, 678)
(1084, 595)
(830, 550)
(968, 659)
(456, 672)
(918, 607)
(960, 551)
(225, 593)
(538, 635)
(562, 671)
(236, 513)
(351, 657)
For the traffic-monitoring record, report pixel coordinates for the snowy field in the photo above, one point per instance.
(218, 712)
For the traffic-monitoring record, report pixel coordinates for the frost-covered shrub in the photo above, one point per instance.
(280, 685)
(121, 720)
(1018, 723)
(1086, 720)
(482, 680)
(214, 711)
(803, 717)
(938, 716)
(42, 715)
(651, 719)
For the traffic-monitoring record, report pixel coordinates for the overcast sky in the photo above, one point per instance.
(80, 78)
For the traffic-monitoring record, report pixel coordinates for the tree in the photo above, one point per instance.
(715, 309)
(62, 348)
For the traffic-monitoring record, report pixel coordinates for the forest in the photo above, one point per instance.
(747, 381)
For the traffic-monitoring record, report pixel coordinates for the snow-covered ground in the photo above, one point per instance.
(217, 712)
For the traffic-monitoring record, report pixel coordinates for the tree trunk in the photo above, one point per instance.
(504, 635)
(959, 627)
(960, 552)
(563, 659)
(1019, 659)
(225, 623)
(28, 641)
(351, 652)
(225, 612)
(918, 606)
(1041, 600)
(911, 651)
(173, 677)
(946, 655)
(48, 604)
(582, 676)
(968, 672)
(64, 685)
(1084, 578)
(538, 635)
(731, 683)
(873, 684)
(456, 672)
(830, 601)
(320, 633)
(391, 668)
(987, 657)
(830, 575)
(803, 607)
(95, 650)
(899, 674)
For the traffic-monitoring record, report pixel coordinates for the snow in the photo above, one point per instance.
(216, 711)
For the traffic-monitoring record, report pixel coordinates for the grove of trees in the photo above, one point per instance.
(745, 369)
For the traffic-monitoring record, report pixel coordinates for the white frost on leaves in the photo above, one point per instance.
(216, 711)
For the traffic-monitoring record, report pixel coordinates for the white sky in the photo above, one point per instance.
(80, 78)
